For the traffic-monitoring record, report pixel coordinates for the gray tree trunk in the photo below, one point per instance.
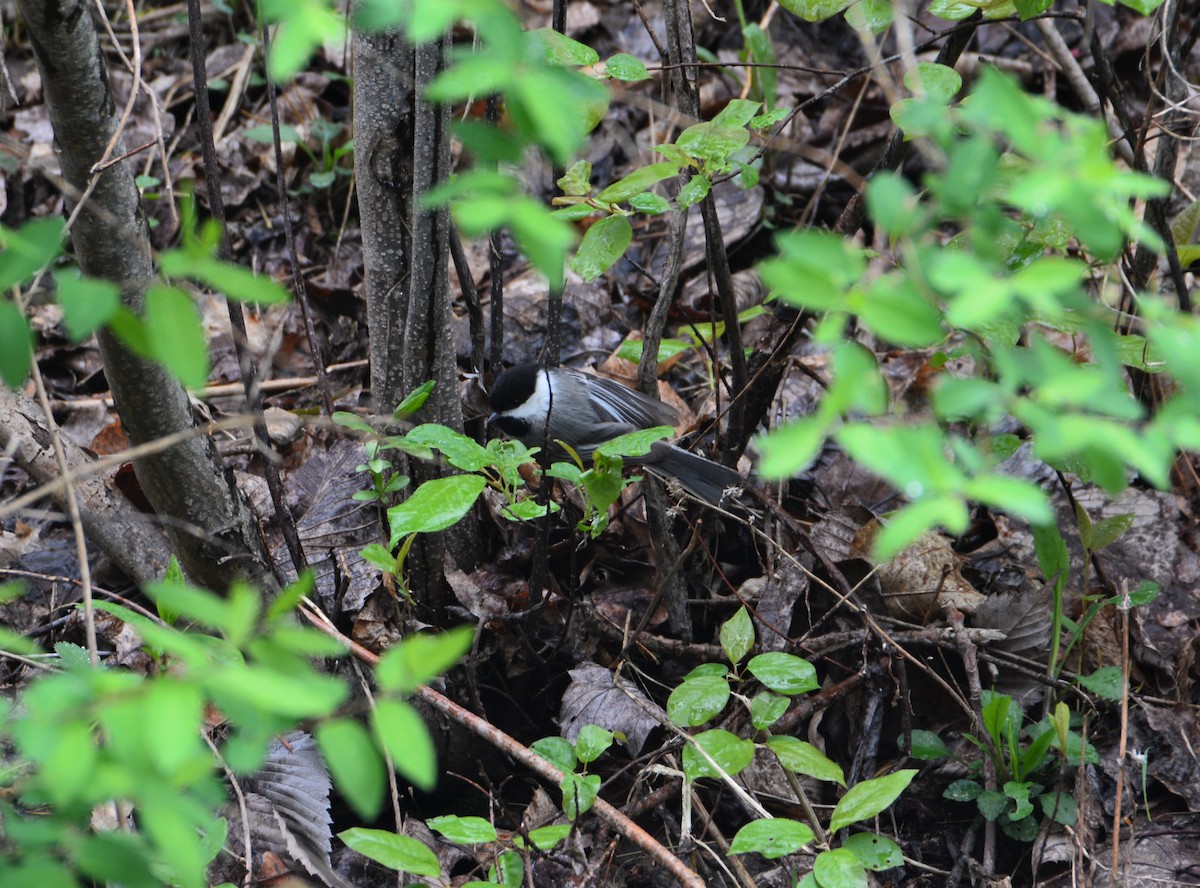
(402, 151)
(210, 525)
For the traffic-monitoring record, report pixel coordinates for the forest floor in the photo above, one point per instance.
(946, 613)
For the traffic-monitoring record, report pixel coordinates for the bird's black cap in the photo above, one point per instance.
(513, 387)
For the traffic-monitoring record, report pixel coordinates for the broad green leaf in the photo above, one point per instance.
(593, 741)
(544, 239)
(992, 804)
(928, 746)
(713, 143)
(463, 830)
(354, 763)
(16, 343)
(865, 800)
(815, 10)
(875, 16)
(623, 66)
(460, 451)
(637, 182)
(1060, 807)
(557, 751)
(561, 49)
(546, 838)
(791, 449)
(87, 303)
(649, 203)
(766, 708)
(404, 735)
(730, 752)
(784, 673)
(264, 132)
(697, 700)
(875, 852)
(937, 81)
(696, 189)
(962, 791)
(577, 180)
(801, 757)
(28, 248)
(737, 635)
(579, 792)
(414, 400)
(172, 326)
(771, 837)
(736, 113)
(401, 853)
(419, 658)
(840, 868)
(434, 506)
(892, 202)
(1106, 682)
(225, 278)
(637, 443)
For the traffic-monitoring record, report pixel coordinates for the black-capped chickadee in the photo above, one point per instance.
(537, 404)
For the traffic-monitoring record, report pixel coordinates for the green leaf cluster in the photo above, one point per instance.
(1030, 188)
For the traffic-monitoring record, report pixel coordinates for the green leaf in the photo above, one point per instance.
(637, 182)
(713, 143)
(928, 746)
(962, 791)
(16, 342)
(649, 203)
(354, 763)
(697, 700)
(696, 189)
(815, 10)
(577, 180)
(223, 277)
(414, 400)
(404, 735)
(766, 708)
(172, 326)
(637, 443)
(264, 132)
(736, 113)
(791, 449)
(463, 830)
(877, 853)
(401, 853)
(1106, 682)
(579, 791)
(561, 49)
(839, 868)
(1107, 531)
(865, 800)
(623, 66)
(419, 658)
(592, 742)
(892, 203)
(557, 751)
(874, 16)
(737, 635)
(939, 82)
(1060, 807)
(801, 757)
(547, 838)
(730, 752)
(1052, 554)
(771, 837)
(434, 506)
(992, 804)
(603, 244)
(460, 451)
(784, 673)
(88, 303)
(28, 248)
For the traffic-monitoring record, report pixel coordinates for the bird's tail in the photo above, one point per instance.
(707, 480)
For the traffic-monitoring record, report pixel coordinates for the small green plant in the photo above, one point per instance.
(1030, 188)
(720, 754)
(330, 161)
(1025, 770)
(709, 149)
(79, 741)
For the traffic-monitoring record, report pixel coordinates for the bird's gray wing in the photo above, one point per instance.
(619, 404)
